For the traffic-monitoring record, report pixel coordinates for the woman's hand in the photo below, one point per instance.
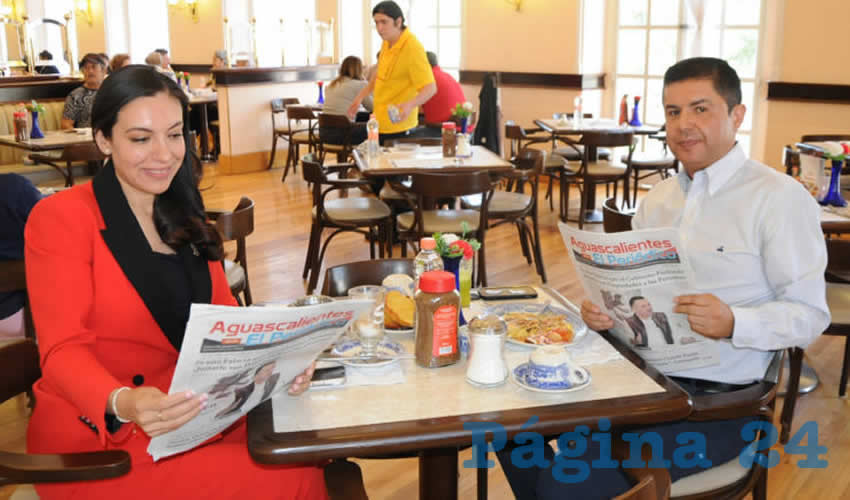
(302, 382)
(594, 317)
(352, 110)
(156, 412)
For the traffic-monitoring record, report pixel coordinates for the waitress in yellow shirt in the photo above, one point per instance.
(403, 78)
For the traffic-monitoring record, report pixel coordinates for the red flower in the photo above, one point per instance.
(464, 246)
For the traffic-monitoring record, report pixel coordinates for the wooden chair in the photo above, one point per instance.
(646, 164)
(237, 225)
(427, 187)
(594, 171)
(19, 368)
(613, 219)
(13, 278)
(365, 215)
(280, 130)
(344, 126)
(516, 207)
(75, 153)
(298, 134)
(338, 279)
(556, 167)
(838, 299)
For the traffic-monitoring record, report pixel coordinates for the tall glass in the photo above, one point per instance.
(370, 326)
(465, 281)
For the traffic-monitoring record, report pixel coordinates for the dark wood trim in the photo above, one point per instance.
(15, 80)
(192, 68)
(54, 89)
(553, 80)
(808, 92)
(237, 76)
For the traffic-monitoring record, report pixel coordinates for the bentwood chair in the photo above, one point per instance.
(19, 370)
(237, 225)
(615, 220)
(364, 215)
(425, 188)
(296, 116)
(280, 130)
(75, 153)
(595, 171)
(838, 299)
(338, 279)
(516, 207)
(343, 125)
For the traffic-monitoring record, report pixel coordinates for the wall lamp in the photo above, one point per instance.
(515, 3)
(83, 8)
(190, 5)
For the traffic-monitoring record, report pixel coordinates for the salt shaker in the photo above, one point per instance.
(487, 367)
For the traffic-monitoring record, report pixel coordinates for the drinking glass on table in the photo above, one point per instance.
(370, 326)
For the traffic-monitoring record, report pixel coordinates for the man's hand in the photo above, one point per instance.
(156, 412)
(302, 382)
(404, 110)
(594, 317)
(707, 315)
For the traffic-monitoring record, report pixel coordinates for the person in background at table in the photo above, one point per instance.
(17, 198)
(112, 269)
(757, 250)
(78, 104)
(45, 65)
(403, 79)
(372, 69)
(165, 62)
(439, 108)
(339, 95)
(154, 59)
(119, 61)
(219, 62)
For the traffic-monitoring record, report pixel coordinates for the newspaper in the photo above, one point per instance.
(633, 276)
(241, 356)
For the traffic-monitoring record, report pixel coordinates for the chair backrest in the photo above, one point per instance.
(328, 120)
(13, 278)
(239, 223)
(594, 139)
(297, 112)
(82, 152)
(825, 137)
(313, 172)
(279, 105)
(19, 362)
(339, 279)
(613, 220)
(837, 255)
(441, 185)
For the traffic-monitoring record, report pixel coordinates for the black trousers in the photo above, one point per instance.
(723, 443)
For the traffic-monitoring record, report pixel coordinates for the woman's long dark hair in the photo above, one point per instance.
(178, 213)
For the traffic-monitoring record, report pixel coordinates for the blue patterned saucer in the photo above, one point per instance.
(351, 348)
(523, 375)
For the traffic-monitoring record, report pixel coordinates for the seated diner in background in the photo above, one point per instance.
(17, 198)
(78, 104)
(165, 63)
(112, 268)
(118, 61)
(758, 256)
(449, 94)
(219, 62)
(45, 65)
(339, 95)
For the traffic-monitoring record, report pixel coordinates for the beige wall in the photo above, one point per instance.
(195, 43)
(92, 38)
(813, 48)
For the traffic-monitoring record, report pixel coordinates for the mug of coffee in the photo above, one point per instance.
(551, 367)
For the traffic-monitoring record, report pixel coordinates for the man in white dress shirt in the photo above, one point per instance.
(754, 242)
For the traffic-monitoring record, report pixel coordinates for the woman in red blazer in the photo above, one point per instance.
(112, 267)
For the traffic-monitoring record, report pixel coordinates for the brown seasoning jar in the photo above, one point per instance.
(449, 140)
(437, 311)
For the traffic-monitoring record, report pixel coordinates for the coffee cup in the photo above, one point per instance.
(551, 367)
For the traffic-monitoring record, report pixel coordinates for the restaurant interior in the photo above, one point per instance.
(256, 73)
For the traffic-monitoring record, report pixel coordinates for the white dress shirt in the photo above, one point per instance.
(753, 238)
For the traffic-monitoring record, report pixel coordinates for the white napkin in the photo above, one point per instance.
(392, 373)
(593, 350)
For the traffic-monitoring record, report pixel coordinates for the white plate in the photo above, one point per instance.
(348, 348)
(398, 330)
(520, 382)
(579, 328)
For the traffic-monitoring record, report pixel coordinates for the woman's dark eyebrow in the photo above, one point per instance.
(143, 129)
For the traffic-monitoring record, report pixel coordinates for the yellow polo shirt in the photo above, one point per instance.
(402, 72)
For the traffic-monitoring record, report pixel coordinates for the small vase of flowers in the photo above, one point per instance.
(460, 115)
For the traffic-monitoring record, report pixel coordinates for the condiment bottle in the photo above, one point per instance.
(487, 334)
(437, 310)
(21, 133)
(449, 140)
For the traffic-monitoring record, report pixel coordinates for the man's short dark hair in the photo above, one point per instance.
(93, 58)
(722, 76)
(635, 299)
(46, 55)
(432, 58)
(389, 9)
(163, 52)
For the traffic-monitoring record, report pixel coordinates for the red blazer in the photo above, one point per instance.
(95, 305)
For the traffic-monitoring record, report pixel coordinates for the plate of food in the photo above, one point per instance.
(533, 324)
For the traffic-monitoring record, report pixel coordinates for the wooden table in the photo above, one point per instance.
(202, 101)
(53, 140)
(558, 128)
(408, 161)
(645, 397)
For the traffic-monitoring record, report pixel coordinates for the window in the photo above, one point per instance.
(283, 31)
(671, 30)
(48, 35)
(147, 32)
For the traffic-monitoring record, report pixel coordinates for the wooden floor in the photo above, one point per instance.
(276, 252)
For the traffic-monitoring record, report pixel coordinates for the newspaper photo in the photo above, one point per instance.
(633, 277)
(241, 356)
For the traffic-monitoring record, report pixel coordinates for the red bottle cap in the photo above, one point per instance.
(437, 282)
(449, 125)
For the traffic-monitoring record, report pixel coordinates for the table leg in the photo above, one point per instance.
(590, 213)
(808, 378)
(205, 128)
(438, 474)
